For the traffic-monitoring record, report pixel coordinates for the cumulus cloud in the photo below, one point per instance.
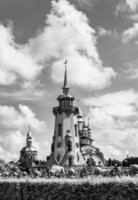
(134, 17)
(132, 70)
(129, 6)
(130, 34)
(13, 130)
(103, 32)
(114, 117)
(14, 61)
(68, 34)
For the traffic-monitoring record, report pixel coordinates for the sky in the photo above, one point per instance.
(100, 40)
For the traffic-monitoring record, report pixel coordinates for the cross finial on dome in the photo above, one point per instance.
(29, 131)
(66, 62)
(88, 121)
(84, 119)
(78, 103)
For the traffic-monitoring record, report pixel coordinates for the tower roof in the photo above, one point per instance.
(79, 109)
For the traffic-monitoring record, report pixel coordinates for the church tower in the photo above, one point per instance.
(65, 149)
(28, 154)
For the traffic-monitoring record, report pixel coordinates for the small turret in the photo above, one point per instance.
(79, 118)
(28, 154)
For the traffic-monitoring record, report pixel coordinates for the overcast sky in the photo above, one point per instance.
(100, 40)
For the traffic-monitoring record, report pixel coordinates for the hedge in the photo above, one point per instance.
(67, 190)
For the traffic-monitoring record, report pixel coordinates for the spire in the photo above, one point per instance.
(88, 121)
(65, 76)
(65, 86)
(29, 132)
(89, 125)
(29, 137)
(84, 120)
(78, 105)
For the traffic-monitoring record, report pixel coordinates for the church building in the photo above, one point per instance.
(72, 143)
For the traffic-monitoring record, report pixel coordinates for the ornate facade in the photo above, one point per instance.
(72, 142)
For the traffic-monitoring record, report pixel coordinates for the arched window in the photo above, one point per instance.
(59, 144)
(58, 157)
(59, 129)
(76, 130)
(69, 146)
(77, 145)
(78, 157)
(52, 147)
(70, 161)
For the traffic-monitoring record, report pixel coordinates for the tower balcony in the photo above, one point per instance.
(67, 109)
(84, 142)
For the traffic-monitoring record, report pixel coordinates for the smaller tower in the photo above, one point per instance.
(28, 154)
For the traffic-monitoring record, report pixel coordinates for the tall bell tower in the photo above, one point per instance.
(65, 148)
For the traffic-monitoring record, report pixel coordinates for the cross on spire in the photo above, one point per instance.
(78, 103)
(84, 119)
(29, 133)
(88, 121)
(66, 62)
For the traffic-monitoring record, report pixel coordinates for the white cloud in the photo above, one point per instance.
(130, 34)
(103, 32)
(13, 130)
(134, 17)
(68, 34)
(130, 6)
(132, 70)
(14, 61)
(114, 118)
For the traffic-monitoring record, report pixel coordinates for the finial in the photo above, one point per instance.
(84, 119)
(29, 133)
(78, 103)
(66, 62)
(29, 137)
(29, 127)
(88, 121)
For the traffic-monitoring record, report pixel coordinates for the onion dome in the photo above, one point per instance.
(27, 149)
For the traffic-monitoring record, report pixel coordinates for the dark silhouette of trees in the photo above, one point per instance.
(113, 162)
(130, 161)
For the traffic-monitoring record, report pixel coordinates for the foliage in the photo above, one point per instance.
(77, 189)
(112, 162)
(130, 161)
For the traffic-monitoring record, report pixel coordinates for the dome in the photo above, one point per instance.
(28, 149)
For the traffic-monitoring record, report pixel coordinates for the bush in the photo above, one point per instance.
(68, 189)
